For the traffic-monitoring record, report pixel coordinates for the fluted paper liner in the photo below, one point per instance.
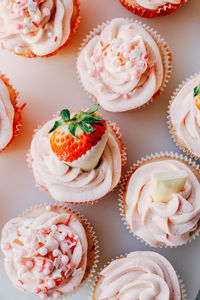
(75, 21)
(180, 143)
(116, 130)
(145, 160)
(14, 97)
(93, 247)
(182, 286)
(164, 51)
(148, 13)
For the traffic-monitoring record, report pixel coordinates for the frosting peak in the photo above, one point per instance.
(155, 4)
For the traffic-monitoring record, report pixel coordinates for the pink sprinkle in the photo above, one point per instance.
(19, 26)
(40, 281)
(100, 69)
(48, 265)
(6, 245)
(1, 46)
(126, 96)
(37, 291)
(73, 288)
(40, 269)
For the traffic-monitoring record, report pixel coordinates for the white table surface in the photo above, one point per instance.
(49, 85)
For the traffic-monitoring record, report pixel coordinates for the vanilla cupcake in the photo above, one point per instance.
(138, 275)
(152, 8)
(10, 113)
(159, 200)
(49, 251)
(123, 64)
(37, 28)
(184, 116)
(77, 158)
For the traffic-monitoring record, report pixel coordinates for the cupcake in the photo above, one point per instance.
(49, 251)
(37, 28)
(77, 158)
(138, 275)
(152, 8)
(10, 113)
(123, 64)
(160, 200)
(184, 116)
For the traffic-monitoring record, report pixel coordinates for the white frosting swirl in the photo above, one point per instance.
(41, 26)
(70, 184)
(155, 4)
(139, 275)
(121, 66)
(7, 113)
(45, 254)
(185, 116)
(162, 223)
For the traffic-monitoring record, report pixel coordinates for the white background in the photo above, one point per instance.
(49, 85)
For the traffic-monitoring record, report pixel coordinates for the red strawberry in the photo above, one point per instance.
(73, 137)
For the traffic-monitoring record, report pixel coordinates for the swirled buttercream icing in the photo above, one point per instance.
(157, 223)
(6, 116)
(185, 117)
(71, 184)
(155, 4)
(139, 275)
(121, 67)
(46, 253)
(40, 26)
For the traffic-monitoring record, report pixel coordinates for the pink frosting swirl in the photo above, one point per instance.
(6, 116)
(42, 26)
(185, 116)
(139, 275)
(121, 66)
(162, 223)
(45, 254)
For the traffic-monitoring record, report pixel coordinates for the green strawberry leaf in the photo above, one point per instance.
(56, 125)
(197, 90)
(72, 129)
(93, 109)
(87, 128)
(65, 115)
(198, 296)
(89, 119)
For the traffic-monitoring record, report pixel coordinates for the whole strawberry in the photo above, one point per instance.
(79, 141)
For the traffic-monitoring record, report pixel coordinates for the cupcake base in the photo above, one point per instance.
(75, 21)
(152, 158)
(164, 51)
(92, 255)
(148, 13)
(123, 164)
(17, 123)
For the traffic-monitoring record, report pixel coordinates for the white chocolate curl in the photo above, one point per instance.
(140, 275)
(162, 223)
(41, 26)
(6, 116)
(45, 255)
(121, 67)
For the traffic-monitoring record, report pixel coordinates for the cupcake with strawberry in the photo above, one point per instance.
(37, 28)
(184, 116)
(152, 8)
(77, 157)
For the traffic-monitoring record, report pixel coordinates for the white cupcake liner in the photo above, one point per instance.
(90, 233)
(124, 184)
(181, 283)
(163, 47)
(179, 143)
(118, 134)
